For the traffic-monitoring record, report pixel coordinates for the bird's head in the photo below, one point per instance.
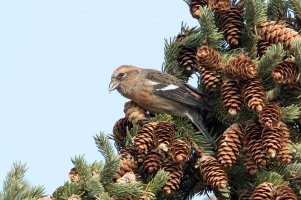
(121, 75)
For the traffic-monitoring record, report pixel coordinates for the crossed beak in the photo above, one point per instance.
(113, 85)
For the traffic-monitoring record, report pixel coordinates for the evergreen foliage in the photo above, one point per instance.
(262, 145)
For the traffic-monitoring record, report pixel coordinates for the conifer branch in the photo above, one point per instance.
(121, 190)
(270, 59)
(277, 9)
(290, 113)
(111, 166)
(269, 176)
(296, 50)
(15, 187)
(157, 182)
(255, 12)
(209, 34)
(296, 6)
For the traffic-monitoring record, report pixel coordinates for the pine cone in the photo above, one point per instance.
(195, 7)
(210, 79)
(254, 142)
(219, 5)
(286, 72)
(128, 177)
(274, 32)
(231, 96)
(283, 192)
(175, 171)
(186, 59)
(212, 172)
(253, 94)
(134, 112)
(240, 67)
(271, 140)
(284, 154)
(208, 58)
(262, 47)
(128, 163)
(270, 115)
(180, 150)
(144, 140)
(231, 23)
(263, 191)
(164, 135)
(152, 162)
(119, 132)
(229, 145)
(250, 164)
(74, 176)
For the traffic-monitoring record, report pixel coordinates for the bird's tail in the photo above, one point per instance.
(196, 117)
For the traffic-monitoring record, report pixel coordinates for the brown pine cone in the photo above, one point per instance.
(74, 176)
(284, 154)
(270, 115)
(134, 112)
(253, 94)
(271, 140)
(263, 191)
(231, 96)
(210, 79)
(186, 59)
(274, 32)
(284, 192)
(230, 144)
(175, 171)
(254, 141)
(286, 72)
(128, 163)
(231, 23)
(219, 5)
(212, 172)
(164, 135)
(195, 7)
(119, 132)
(240, 67)
(180, 150)
(262, 47)
(209, 58)
(250, 164)
(128, 177)
(152, 162)
(144, 140)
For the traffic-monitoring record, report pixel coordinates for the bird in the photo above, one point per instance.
(159, 92)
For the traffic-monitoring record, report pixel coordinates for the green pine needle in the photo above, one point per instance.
(15, 187)
(269, 176)
(81, 166)
(296, 6)
(296, 49)
(162, 117)
(157, 182)
(270, 59)
(209, 34)
(290, 113)
(111, 166)
(122, 190)
(255, 12)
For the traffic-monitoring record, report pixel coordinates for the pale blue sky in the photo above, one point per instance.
(56, 59)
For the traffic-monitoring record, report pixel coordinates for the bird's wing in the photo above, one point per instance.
(172, 88)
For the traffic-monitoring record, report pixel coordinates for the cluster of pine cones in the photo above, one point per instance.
(155, 147)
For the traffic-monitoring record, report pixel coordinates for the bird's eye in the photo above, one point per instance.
(121, 74)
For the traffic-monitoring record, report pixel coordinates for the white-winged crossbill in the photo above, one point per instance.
(159, 92)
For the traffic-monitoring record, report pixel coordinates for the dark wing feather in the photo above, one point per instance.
(175, 89)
